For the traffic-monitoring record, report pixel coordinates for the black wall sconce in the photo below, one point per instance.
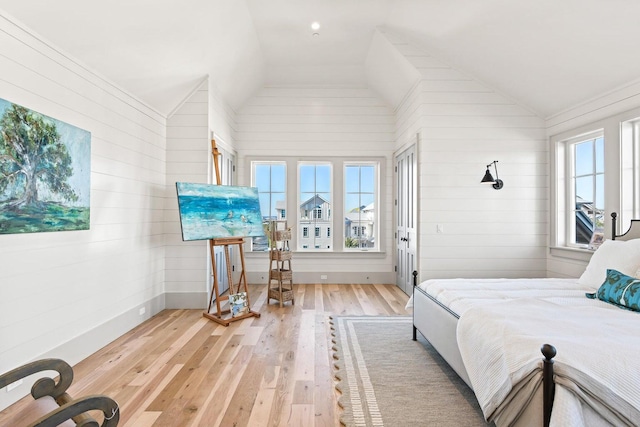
(488, 178)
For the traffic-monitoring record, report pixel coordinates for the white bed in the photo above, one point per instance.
(469, 321)
(438, 304)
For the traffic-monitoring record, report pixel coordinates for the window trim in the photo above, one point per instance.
(616, 198)
(337, 233)
(376, 203)
(561, 193)
(252, 176)
(629, 167)
(311, 214)
(570, 182)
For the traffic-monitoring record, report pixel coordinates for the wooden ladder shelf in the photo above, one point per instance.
(280, 270)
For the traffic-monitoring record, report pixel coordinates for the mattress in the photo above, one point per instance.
(459, 295)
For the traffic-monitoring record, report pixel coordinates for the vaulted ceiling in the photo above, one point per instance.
(546, 54)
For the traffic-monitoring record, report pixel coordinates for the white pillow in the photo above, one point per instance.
(620, 255)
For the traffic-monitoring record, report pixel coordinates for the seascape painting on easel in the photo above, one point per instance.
(210, 211)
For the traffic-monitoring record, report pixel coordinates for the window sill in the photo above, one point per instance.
(578, 254)
(325, 254)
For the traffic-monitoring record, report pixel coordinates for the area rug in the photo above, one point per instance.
(387, 379)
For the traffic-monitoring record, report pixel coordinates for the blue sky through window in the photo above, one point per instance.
(360, 186)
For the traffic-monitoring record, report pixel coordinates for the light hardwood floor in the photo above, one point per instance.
(180, 369)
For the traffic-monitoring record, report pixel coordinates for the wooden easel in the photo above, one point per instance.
(223, 316)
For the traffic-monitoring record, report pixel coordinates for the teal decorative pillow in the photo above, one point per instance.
(619, 289)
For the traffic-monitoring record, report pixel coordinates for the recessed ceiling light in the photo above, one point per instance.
(315, 26)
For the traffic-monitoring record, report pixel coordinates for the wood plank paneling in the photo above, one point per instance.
(464, 125)
(302, 122)
(188, 159)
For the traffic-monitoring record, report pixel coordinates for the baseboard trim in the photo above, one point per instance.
(89, 342)
(309, 278)
(186, 300)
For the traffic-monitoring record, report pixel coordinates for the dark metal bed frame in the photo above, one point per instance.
(548, 351)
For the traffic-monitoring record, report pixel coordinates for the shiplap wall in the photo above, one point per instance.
(189, 160)
(463, 126)
(281, 122)
(222, 120)
(66, 294)
(188, 152)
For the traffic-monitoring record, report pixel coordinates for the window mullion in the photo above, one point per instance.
(594, 185)
(636, 171)
(571, 194)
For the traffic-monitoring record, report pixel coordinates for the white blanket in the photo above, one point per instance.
(596, 368)
(461, 294)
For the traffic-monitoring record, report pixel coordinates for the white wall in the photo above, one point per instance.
(189, 160)
(463, 126)
(188, 153)
(281, 122)
(66, 294)
(222, 120)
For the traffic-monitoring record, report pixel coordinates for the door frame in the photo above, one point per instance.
(414, 144)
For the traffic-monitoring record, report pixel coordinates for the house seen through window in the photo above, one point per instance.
(587, 183)
(359, 202)
(314, 181)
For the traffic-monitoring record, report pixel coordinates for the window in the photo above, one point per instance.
(314, 181)
(588, 189)
(629, 173)
(348, 187)
(360, 180)
(359, 231)
(580, 189)
(594, 164)
(270, 179)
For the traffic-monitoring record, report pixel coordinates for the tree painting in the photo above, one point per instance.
(44, 172)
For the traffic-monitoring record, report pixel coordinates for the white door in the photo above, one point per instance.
(406, 202)
(227, 167)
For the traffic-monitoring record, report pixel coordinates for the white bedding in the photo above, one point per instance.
(461, 294)
(595, 368)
